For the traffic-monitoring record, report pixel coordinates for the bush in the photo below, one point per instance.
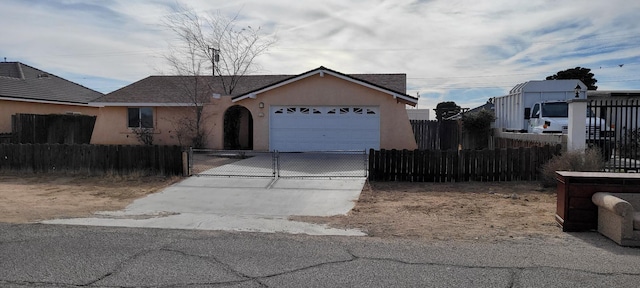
(589, 161)
(630, 146)
(478, 126)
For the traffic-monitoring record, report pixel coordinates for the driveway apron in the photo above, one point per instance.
(258, 204)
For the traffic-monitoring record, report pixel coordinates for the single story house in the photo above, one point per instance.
(28, 90)
(318, 110)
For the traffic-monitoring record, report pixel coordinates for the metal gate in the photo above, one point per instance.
(325, 164)
(619, 136)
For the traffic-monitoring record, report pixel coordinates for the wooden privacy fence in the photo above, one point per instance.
(52, 128)
(438, 135)
(91, 159)
(456, 166)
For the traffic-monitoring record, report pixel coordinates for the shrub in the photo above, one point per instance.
(478, 126)
(589, 161)
(144, 135)
(630, 145)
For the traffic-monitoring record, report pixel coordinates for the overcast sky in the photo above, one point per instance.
(462, 51)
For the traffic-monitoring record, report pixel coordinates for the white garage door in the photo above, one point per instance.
(314, 128)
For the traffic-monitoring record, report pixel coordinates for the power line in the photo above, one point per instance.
(114, 53)
(603, 36)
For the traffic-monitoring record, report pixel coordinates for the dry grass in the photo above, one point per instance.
(446, 211)
(33, 197)
(588, 161)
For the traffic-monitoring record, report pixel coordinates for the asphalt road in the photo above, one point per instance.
(88, 256)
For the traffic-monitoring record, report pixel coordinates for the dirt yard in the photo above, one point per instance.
(31, 198)
(452, 211)
(463, 211)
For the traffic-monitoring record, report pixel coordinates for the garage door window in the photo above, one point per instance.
(327, 111)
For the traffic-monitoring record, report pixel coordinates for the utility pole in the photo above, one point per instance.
(215, 57)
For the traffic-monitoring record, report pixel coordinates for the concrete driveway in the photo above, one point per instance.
(238, 204)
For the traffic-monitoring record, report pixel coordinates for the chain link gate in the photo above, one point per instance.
(227, 163)
(325, 164)
(330, 164)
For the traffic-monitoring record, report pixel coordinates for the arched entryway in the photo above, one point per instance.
(238, 128)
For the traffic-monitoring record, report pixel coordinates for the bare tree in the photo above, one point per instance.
(193, 89)
(217, 37)
(205, 41)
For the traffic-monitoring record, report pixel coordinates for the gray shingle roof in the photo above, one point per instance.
(23, 82)
(168, 89)
(389, 83)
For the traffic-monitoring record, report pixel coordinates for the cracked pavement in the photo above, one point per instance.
(86, 256)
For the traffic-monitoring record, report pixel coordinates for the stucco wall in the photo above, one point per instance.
(111, 126)
(8, 108)
(395, 129)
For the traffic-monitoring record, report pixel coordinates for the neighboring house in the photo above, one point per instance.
(486, 106)
(27, 90)
(613, 94)
(318, 110)
(418, 114)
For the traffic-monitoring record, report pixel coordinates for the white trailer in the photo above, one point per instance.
(514, 110)
(541, 107)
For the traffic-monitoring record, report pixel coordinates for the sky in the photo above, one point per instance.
(465, 51)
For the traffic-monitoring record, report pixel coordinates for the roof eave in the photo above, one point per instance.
(401, 97)
(19, 99)
(139, 104)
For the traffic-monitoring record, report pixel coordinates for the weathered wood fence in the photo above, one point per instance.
(511, 164)
(52, 128)
(5, 137)
(437, 135)
(91, 159)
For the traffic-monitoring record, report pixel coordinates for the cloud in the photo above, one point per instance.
(462, 51)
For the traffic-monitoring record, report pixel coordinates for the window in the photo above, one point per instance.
(555, 109)
(536, 111)
(140, 117)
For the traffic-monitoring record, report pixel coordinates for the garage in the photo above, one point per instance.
(324, 128)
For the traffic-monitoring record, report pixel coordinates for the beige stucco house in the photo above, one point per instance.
(319, 110)
(27, 90)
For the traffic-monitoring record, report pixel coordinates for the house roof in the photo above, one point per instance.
(391, 84)
(613, 93)
(179, 90)
(21, 82)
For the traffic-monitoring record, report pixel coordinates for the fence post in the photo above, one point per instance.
(186, 162)
(365, 163)
(275, 163)
(577, 124)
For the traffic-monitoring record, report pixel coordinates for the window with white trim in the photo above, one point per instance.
(140, 117)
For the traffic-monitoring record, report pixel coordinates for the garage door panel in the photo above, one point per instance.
(327, 125)
(340, 122)
(342, 136)
(329, 128)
